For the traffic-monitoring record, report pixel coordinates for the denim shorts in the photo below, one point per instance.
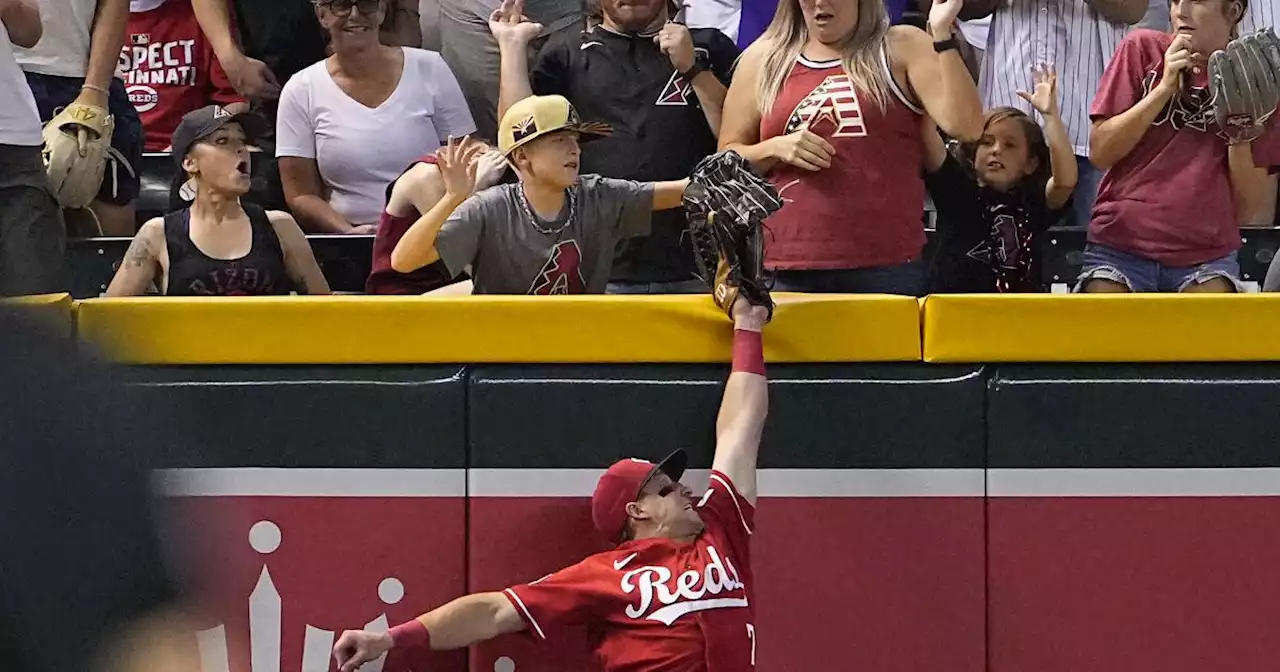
(1140, 274)
(120, 183)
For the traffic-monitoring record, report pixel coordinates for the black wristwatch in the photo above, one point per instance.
(699, 67)
(949, 43)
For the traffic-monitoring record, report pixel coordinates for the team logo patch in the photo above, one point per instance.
(835, 102)
(562, 273)
(140, 39)
(143, 98)
(524, 128)
(220, 113)
(678, 91)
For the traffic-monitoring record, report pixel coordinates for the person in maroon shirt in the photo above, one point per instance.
(1175, 190)
(676, 594)
(412, 195)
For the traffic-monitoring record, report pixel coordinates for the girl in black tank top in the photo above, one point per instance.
(261, 272)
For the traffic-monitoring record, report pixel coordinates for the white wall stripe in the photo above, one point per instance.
(290, 482)
(791, 483)
(1251, 482)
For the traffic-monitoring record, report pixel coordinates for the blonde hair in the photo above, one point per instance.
(787, 35)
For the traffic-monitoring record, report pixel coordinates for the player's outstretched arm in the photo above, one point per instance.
(460, 623)
(745, 403)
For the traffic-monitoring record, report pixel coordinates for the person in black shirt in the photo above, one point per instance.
(84, 583)
(660, 85)
(219, 246)
(1011, 186)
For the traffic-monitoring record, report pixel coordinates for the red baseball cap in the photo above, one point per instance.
(621, 485)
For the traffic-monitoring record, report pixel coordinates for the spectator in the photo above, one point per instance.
(218, 247)
(1257, 15)
(170, 68)
(1176, 189)
(660, 85)
(1080, 37)
(33, 239)
(471, 50)
(276, 40)
(552, 233)
(821, 103)
(412, 195)
(348, 125)
(1011, 187)
(401, 28)
(74, 62)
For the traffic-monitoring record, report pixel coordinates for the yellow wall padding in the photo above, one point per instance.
(1111, 328)
(480, 329)
(54, 310)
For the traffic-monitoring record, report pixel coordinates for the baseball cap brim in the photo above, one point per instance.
(253, 125)
(672, 465)
(592, 130)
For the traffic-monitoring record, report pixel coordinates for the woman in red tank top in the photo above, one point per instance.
(825, 103)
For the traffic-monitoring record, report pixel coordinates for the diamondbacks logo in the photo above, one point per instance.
(524, 128)
(678, 91)
(834, 101)
(562, 273)
(691, 591)
(1191, 108)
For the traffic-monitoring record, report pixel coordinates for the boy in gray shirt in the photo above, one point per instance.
(554, 232)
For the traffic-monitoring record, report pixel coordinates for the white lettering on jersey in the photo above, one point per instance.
(835, 100)
(159, 63)
(693, 591)
(678, 91)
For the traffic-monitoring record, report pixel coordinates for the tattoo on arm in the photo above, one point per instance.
(139, 254)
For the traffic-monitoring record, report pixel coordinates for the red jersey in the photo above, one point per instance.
(1170, 199)
(866, 209)
(386, 280)
(169, 69)
(657, 605)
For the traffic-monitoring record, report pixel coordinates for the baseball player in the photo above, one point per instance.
(676, 594)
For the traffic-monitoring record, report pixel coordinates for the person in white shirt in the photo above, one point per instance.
(32, 235)
(348, 125)
(75, 61)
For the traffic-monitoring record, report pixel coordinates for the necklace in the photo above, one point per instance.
(571, 194)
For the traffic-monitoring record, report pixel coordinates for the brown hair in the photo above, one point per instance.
(1037, 147)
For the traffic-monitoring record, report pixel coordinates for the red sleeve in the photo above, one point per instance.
(1124, 83)
(221, 90)
(727, 514)
(557, 601)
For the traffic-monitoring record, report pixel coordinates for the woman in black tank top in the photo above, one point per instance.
(218, 246)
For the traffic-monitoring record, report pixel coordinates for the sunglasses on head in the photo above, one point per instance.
(343, 7)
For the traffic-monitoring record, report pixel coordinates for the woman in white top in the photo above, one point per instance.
(348, 125)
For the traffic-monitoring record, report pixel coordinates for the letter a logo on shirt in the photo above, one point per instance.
(678, 91)
(562, 274)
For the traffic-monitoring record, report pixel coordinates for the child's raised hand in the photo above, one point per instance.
(1045, 97)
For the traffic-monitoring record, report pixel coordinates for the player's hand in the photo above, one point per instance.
(357, 647)
(1177, 58)
(490, 167)
(677, 43)
(252, 78)
(942, 18)
(457, 167)
(1045, 97)
(802, 149)
(748, 317)
(510, 27)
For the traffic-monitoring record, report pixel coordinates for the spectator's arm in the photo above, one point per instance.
(1127, 12)
(740, 126)
(21, 19)
(108, 38)
(304, 193)
(941, 80)
(935, 150)
(141, 264)
(1249, 183)
(712, 85)
(221, 90)
(1111, 139)
(973, 9)
(250, 76)
(668, 195)
(1062, 163)
(299, 260)
(417, 248)
(1121, 111)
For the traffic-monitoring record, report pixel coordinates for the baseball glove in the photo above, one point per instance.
(726, 205)
(76, 143)
(1243, 79)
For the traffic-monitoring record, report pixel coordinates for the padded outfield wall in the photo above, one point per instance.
(964, 483)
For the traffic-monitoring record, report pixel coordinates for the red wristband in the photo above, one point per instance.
(748, 352)
(410, 634)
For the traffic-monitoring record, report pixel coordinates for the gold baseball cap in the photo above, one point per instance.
(536, 116)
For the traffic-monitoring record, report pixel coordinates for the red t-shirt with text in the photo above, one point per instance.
(169, 69)
(1170, 199)
(657, 605)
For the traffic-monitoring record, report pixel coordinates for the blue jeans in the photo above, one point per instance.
(905, 279)
(676, 287)
(1145, 275)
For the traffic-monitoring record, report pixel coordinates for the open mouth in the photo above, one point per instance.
(995, 166)
(355, 29)
(243, 168)
(822, 17)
